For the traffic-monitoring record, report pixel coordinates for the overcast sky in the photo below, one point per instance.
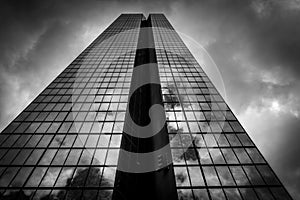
(255, 44)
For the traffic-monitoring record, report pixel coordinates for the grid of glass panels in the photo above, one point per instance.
(65, 144)
(53, 149)
(213, 156)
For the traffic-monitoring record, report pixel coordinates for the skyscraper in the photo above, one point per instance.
(134, 116)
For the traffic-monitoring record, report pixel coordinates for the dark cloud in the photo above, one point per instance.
(255, 44)
(246, 44)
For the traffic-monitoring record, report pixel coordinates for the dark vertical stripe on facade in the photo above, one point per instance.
(157, 184)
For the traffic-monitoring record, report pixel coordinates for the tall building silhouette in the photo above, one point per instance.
(134, 116)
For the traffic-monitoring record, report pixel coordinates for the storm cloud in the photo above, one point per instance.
(255, 44)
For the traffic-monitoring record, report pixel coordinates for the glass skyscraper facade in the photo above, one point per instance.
(71, 142)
